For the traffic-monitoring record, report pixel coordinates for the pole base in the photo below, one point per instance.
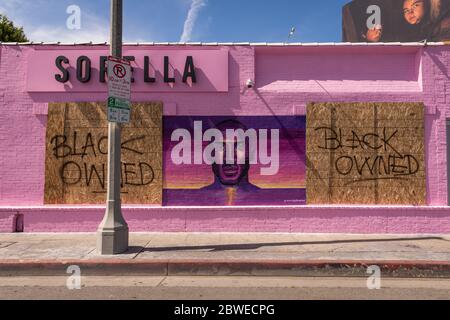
(111, 242)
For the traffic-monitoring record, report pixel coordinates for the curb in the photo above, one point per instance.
(190, 267)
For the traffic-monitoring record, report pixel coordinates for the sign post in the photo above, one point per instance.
(119, 90)
(112, 234)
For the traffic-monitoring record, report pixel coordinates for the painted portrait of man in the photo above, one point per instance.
(239, 174)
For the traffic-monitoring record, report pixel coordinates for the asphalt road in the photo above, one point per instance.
(222, 288)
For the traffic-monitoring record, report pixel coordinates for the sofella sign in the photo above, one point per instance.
(154, 69)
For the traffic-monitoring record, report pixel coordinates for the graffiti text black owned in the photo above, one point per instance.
(81, 167)
(65, 146)
(376, 154)
(132, 174)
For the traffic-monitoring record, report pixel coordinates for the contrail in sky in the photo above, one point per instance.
(192, 16)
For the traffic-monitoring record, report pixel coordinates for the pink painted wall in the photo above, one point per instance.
(287, 78)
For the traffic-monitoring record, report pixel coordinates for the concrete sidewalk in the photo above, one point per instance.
(186, 254)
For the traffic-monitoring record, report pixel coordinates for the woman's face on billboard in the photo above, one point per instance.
(414, 11)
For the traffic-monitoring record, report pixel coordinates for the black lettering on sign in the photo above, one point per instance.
(147, 77)
(167, 78)
(65, 73)
(103, 69)
(131, 59)
(189, 70)
(83, 69)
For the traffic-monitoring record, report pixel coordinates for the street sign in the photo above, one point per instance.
(119, 90)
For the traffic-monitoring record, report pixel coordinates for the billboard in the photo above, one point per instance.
(234, 161)
(396, 21)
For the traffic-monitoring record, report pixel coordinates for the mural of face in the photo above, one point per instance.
(232, 174)
(212, 182)
(414, 11)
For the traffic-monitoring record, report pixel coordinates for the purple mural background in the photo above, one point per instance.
(202, 185)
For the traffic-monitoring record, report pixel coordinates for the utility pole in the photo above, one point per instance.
(112, 234)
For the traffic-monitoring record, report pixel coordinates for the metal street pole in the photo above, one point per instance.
(112, 234)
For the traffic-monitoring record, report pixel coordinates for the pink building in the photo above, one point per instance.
(365, 126)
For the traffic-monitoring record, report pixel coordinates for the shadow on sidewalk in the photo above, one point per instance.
(254, 246)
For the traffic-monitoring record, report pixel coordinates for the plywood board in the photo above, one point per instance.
(76, 154)
(366, 153)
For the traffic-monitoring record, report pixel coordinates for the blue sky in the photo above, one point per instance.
(175, 20)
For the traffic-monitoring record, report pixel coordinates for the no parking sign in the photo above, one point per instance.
(119, 90)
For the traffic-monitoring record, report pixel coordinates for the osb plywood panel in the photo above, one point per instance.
(366, 153)
(76, 154)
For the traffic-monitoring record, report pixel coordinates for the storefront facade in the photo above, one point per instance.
(325, 138)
